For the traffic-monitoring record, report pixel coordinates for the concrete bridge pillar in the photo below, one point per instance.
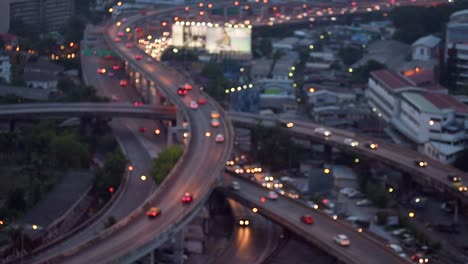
(225, 13)
(241, 12)
(153, 97)
(179, 119)
(327, 153)
(179, 247)
(12, 125)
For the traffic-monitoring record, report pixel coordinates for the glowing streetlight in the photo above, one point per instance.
(111, 10)
(119, 3)
(350, 70)
(326, 170)
(130, 168)
(255, 209)
(207, 134)
(143, 177)
(411, 214)
(390, 190)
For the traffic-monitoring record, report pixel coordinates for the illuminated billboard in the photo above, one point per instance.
(213, 37)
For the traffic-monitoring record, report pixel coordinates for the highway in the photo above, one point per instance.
(196, 172)
(401, 158)
(251, 244)
(287, 212)
(103, 110)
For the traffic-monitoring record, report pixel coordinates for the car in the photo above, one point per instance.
(138, 57)
(244, 222)
(372, 145)
(419, 258)
(115, 98)
(149, 60)
(307, 219)
(182, 92)
(215, 122)
(351, 142)
(272, 195)
(288, 124)
(420, 163)
(347, 191)
(201, 100)
(123, 83)
(399, 232)
(187, 86)
(215, 114)
(193, 105)
(219, 138)
(235, 186)
(397, 250)
(342, 240)
(120, 34)
(454, 178)
(111, 74)
(137, 103)
(321, 130)
(364, 202)
(108, 57)
(463, 189)
(101, 70)
(116, 67)
(186, 198)
(142, 129)
(129, 45)
(153, 212)
(118, 40)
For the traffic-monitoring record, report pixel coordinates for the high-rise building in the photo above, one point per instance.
(456, 50)
(4, 16)
(42, 15)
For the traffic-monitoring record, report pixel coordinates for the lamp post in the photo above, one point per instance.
(33, 227)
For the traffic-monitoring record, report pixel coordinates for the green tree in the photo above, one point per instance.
(16, 199)
(349, 55)
(266, 47)
(66, 152)
(74, 29)
(361, 74)
(164, 162)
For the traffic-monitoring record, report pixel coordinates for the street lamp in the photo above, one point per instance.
(23, 227)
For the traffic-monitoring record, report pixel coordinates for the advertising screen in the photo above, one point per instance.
(189, 35)
(219, 39)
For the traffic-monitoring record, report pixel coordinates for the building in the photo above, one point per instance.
(42, 15)
(421, 112)
(425, 48)
(4, 16)
(42, 74)
(5, 66)
(456, 49)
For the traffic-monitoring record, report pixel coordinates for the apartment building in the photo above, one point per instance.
(456, 43)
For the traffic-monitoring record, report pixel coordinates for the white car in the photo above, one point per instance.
(235, 186)
(351, 142)
(323, 131)
(193, 105)
(342, 240)
(219, 138)
(397, 250)
(364, 202)
(347, 190)
(272, 195)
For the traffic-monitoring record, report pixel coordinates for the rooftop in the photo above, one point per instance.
(419, 101)
(390, 79)
(43, 66)
(428, 41)
(460, 16)
(445, 101)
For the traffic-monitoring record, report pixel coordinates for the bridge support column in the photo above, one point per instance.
(241, 12)
(179, 119)
(327, 153)
(179, 247)
(12, 126)
(225, 13)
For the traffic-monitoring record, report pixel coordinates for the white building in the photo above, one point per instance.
(457, 38)
(426, 115)
(425, 48)
(5, 67)
(4, 16)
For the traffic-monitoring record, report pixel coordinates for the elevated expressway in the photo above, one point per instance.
(398, 157)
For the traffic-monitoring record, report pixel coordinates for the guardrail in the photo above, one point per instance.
(282, 221)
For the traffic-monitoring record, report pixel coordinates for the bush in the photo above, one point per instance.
(164, 162)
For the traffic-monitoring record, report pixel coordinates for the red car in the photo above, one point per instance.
(186, 198)
(142, 129)
(201, 100)
(182, 91)
(153, 212)
(138, 57)
(116, 67)
(123, 83)
(129, 45)
(108, 57)
(307, 219)
(137, 103)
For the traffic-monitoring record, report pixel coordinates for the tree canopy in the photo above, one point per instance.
(164, 162)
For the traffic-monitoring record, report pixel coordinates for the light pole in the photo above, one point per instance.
(28, 227)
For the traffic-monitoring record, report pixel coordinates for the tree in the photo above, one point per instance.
(349, 55)
(15, 199)
(266, 47)
(361, 74)
(74, 29)
(164, 162)
(66, 152)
